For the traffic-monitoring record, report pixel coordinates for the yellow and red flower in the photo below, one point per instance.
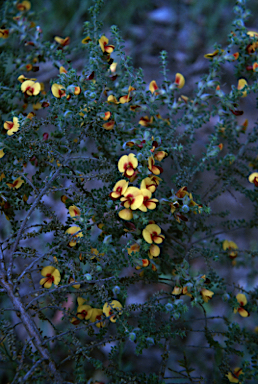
(86, 40)
(12, 126)
(148, 201)
(154, 168)
(61, 41)
(4, 33)
(133, 198)
(242, 83)
(108, 310)
(109, 125)
(145, 121)
(16, 184)
(97, 315)
(52, 275)
(74, 212)
(127, 165)
(233, 376)
(119, 189)
(58, 90)
(24, 6)
(206, 295)
(73, 231)
(153, 86)
(242, 300)
(30, 87)
(253, 178)
(103, 42)
(149, 184)
(151, 234)
(154, 251)
(160, 155)
(134, 248)
(179, 80)
(231, 247)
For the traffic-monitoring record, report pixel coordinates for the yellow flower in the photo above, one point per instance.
(16, 184)
(1, 153)
(126, 214)
(109, 125)
(242, 300)
(96, 315)
(108, 309)
(253, 178)
(103, 42)
(154, 251)
(127, 165)
(230, 245)
(12, 126)
(134, 248)
(52, 275)
(233, 377)
(211, 55)
(179, 80)
(206, 295)
(76, 286)
(154, 168)
(151, 234)
(30, 87)
(153, 86)
(119, 189)
(242, 83)
(61, 41)
(133, 198)
(148, 201)
(58, 90)
(74, 212)
(72, 231)
(24, 6)
(86, 40)
(4, 33)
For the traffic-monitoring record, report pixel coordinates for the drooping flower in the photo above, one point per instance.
(179, 80)
(151, 234)
(148, 201)
(154, 168)
(253, 178)
(119, 189)
(133, 198)
(16, 184)
(206, 295)
(30, 88)
(74, 212)
(233, 376)
(242, 83)
(58, 90)
(153, 86)
(52, 275)
(242, 300)
(154, 251)
(127, 165)
(231, 247)
(61, 41)
(24, 6)
(73, 231)
(108, 309)
(12, 126)
(103, 42)
(125, 214)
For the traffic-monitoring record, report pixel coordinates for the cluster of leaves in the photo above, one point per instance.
(97, 239)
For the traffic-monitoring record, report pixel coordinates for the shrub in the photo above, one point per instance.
(124, 210)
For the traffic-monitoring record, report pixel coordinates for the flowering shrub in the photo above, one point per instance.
(117, 232)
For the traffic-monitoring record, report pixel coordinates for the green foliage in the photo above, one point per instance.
(90, 287)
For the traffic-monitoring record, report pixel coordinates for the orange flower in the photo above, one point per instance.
(153, 86)
(24, 6)
(108, 310)
(107, 116)
(4, 33)
(61, 41)
(133, 198)
(52, 275)
(253, 178)
(148, 202)
(127, 165)
(179, 80)
(16, 183)
(58, 90)
(151, 234)
(109, 125)
(154, 168)
(242, 300)
(72, 231)
(103, 42)
(74, 212)
(30, 88)
(242, 83)
(233, 377)
(12, 126)
(134, 248)
(119, 189)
